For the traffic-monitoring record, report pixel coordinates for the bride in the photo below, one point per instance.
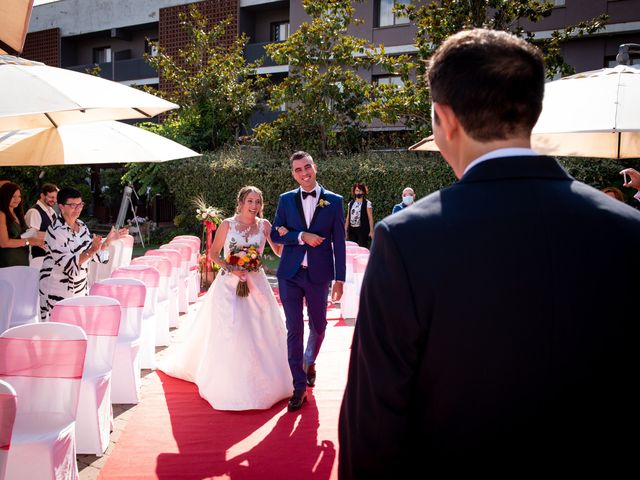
(235, 350)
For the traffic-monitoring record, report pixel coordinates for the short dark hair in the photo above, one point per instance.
(65, 193)
(492, 80)
(48, 188)
(299, 155)
(360, 186)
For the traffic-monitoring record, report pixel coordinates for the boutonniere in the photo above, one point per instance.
(322, 203)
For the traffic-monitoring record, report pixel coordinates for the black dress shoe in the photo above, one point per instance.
(296, 401)
(311, 375)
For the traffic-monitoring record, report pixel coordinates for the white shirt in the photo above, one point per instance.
(309, 205)
(33, 218)
(501, 153)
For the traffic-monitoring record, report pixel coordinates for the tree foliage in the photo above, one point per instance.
(323, 92)
(216, 88)
(435, 21)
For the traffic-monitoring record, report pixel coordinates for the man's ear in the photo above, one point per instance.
(446, 119)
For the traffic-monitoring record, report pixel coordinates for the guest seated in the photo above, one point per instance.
(70, 247)
(14, 250)
(614, 192)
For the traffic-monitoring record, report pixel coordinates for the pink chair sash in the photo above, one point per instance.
(184, 248)
(8, 409)
(360, 263)
(28, 357)
(173, 255)
(129, 296)
(96, 320)
(161, 263)
(150, 276)
(191, 238)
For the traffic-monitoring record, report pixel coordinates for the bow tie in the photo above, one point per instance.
(306, 194)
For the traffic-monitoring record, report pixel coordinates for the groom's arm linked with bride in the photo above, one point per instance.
(314, 256)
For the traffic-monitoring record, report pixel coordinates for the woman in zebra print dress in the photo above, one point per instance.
(70, 247)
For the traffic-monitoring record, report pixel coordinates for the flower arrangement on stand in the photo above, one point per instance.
(210, 217)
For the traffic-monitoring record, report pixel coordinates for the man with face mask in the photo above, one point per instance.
(408, 197)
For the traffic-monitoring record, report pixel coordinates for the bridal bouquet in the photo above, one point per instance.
(246, 258)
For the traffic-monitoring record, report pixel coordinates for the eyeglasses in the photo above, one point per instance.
(74, 206)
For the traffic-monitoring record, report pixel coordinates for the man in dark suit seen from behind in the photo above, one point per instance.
(490, 337)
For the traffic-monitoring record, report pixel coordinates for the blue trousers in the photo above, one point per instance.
(292, 293)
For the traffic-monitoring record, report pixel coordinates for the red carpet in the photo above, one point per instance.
(174, 434)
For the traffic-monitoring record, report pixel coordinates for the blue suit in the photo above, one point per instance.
(326, 262)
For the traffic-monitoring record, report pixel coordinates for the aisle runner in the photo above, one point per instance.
(174, 434)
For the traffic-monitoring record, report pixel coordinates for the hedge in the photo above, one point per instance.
(218, 176)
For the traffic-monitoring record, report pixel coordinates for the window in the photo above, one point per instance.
(558, 3)
(395, 80)
(151, 47)
(279, 31)
(385, 15)
(101, 54)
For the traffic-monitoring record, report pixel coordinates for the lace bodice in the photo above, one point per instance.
(245, 234)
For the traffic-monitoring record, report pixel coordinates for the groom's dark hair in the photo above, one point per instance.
(299, 155)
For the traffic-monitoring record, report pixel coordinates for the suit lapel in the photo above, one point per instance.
(315, 212)
(298, 201)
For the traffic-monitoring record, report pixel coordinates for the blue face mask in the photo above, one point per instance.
(407, 200)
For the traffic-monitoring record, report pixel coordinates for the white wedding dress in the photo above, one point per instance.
(235, 350)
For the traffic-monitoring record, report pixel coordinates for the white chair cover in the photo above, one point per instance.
(127, 251)
(175, 290)
(351, 243)
(8, 405)
(186, 251)
(100, 271)
(26, 293)
(130, 293)
(355, 270)
(99, 317)
(155, 315)
(194, 264)
(6, 304)
(44, 363)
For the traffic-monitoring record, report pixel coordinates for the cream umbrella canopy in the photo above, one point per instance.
(34, 95)
(14, 23)
(590, 114)
(87, 144)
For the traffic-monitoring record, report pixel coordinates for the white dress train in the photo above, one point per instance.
(235, 350)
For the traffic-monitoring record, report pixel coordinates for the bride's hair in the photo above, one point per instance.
(242, 196)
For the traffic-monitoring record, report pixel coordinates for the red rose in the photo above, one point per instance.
(233, 260)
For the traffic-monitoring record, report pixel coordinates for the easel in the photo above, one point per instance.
(122, 213)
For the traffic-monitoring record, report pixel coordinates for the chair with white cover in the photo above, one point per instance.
(175, 281)
(6, 304)
(100, 271)
(352, 243)
(44, 363)
(186, 251)
(8, 406)
(351, 293)
(130, 293)
(194, 264)
(99, 317)
(157, 305)
(154, 311)
(127, 251)
(26, 293)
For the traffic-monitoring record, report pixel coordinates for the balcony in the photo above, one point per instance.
(125, 70)
(254, 51)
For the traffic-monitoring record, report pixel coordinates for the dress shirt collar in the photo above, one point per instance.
(317, 190)
(50, 211)
(500, 153)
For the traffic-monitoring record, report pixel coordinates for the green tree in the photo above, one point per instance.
(216, 88)
(323, 92)
(436, 21)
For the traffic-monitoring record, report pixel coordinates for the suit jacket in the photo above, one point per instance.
(327, 261)
(496, 325)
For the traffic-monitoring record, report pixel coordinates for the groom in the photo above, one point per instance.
(310, 223)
